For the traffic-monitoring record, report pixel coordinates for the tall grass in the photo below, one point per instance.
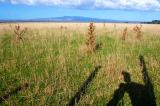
(54, 68)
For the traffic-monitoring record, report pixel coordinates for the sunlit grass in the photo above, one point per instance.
(54, 65)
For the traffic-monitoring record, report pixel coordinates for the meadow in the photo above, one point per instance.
(50, 62)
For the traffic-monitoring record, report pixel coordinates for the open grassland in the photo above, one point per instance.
(51, 63)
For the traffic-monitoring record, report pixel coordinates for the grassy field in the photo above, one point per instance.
(51, 63)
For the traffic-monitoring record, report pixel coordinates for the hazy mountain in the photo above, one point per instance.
(68, 19)
(77, 19)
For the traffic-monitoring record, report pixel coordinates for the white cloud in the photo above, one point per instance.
(129, 4)
(108, 4)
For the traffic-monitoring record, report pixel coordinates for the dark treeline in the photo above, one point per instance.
(153, 22)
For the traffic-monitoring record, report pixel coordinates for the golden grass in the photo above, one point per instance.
(79, 26)
(51, 60)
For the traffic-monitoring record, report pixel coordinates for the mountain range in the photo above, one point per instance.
(69, 19)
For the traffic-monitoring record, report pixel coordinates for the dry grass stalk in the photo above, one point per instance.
(18, 33)
(125, 33)
(104, 24)
(63, 27)
(91, 38)
(138, 31)
(115, 26)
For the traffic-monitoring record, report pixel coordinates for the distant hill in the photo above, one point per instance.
(77, 19)
(70, 19)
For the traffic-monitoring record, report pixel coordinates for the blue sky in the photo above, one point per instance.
(131, 10)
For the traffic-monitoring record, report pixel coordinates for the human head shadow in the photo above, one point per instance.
(140, 95)
(82, 90)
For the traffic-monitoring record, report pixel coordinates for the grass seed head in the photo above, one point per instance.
(18, 33)
(138, 32)
(91, 38)
(125, 33)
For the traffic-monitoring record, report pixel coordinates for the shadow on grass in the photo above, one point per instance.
(15, 91)
(140, 95)
(75, 99)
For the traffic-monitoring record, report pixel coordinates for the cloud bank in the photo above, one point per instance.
(97, 4)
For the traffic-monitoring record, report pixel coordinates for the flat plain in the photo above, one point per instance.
(50, 62)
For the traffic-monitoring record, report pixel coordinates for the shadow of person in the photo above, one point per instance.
(75, 99)
(12, 92)
(140, 95)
